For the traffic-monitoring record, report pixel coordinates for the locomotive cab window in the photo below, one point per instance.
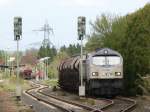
(106, 60)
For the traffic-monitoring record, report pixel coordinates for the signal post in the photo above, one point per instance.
(17, 37)
(81, 34)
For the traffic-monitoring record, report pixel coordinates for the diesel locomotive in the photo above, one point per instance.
(102, 73)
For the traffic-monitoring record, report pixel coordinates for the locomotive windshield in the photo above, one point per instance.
(106, 60)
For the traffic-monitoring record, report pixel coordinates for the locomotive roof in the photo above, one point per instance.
(106, 52)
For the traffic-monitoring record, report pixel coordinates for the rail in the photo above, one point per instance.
(47, 102)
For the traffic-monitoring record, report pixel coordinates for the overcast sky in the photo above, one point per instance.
(61, 16)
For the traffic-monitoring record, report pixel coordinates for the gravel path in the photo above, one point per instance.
(143, 104)
(118, 106)
(7, 104)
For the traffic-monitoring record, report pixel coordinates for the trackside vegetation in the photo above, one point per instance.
(130, 35)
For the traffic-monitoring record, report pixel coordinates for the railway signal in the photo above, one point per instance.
(17, 37)
(81, 34)
(81, 27)
(17, 28)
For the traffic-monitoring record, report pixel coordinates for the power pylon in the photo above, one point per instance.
(46, 42)
(47, 30)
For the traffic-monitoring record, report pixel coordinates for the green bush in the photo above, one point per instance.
(130, 35)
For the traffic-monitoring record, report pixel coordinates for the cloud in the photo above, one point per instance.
(6, 2)
(84, 3)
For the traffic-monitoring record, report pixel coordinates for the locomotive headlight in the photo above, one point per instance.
(94, 73)
(117, 73)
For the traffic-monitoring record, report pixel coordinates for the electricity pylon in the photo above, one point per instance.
(47, 30)
(46, 42)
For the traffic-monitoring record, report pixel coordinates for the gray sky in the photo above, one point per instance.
(61, 16)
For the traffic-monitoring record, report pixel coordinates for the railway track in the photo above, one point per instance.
(32, 92)
(118, 104)
(65, 106)
(87, 108)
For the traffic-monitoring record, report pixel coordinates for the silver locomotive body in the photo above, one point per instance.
(103, 73)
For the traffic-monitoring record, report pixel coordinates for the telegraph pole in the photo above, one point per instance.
(81, 34)
(5, 54)
(17, 37)
(6, 61)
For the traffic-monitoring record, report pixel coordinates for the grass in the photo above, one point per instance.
(84, 100)
(9, 83)
(91, 101)
(147, 86)
(51, 82)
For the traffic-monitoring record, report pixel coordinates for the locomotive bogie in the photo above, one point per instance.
(105, 87)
